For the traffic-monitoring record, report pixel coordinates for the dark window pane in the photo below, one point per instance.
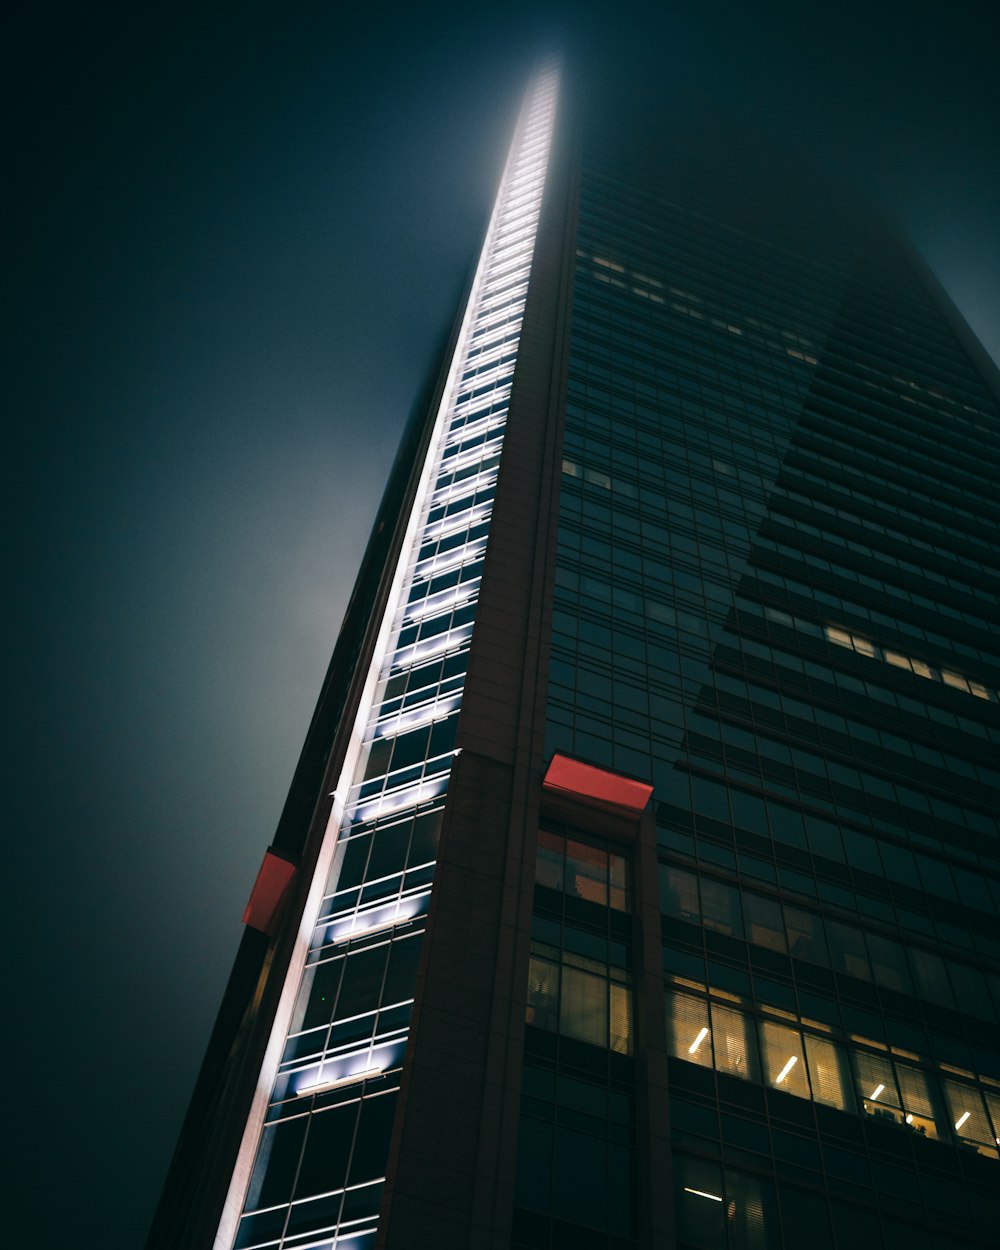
(763, 922)
(362, 982)
(580, 1178)
(277, 1161)
(805, 1219)
(679, 893)
(401, 977)
(721, 907)
(888, 960)
(319, 993)
(372, 1145)
(534, 1165)
(847, 950)
(328, 1148)
(388, 851)
(806, 939)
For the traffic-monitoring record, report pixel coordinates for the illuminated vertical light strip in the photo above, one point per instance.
(474, 400)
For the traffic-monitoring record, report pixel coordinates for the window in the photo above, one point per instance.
(826, 1072)
(734, 1043)
(845, 1077)
(875, 1084)
(721, 908)
(582, 870)
(580, 998)
(969, 1118)
(688, 1033)
(718, 1209)
(543, 994)
(679, 894)
(783, 1059)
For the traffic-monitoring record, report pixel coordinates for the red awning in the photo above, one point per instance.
(589, 784)
(267, 893)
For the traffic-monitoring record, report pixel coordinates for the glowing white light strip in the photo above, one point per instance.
(961, 1120)
(491, 293)
(485, 356)
(406, 721)
(324, 1086)
(488, 376)
(697, 1041)
(383, 926)
(463, 459)
(472, 429)
(443, 601)
(700, 1193)
(456, 490)
(387, 912)
(436, 565)
(479, 403)
(875, 1092)
(786, 1069)
(460, 521)
(420, 652)
(397, 800)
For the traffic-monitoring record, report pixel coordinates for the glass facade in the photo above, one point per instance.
(708, 503)
(319, 1157)
(777, 599)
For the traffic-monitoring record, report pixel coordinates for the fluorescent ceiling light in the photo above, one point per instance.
(700, 1193)
(876, 1091)
(697, 1041)
(961, 1120)
(786, 1069)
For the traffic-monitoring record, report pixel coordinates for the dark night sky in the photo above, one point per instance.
(238, 235)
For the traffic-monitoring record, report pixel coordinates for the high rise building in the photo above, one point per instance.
(638, 885)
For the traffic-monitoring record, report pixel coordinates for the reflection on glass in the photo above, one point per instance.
(549, 864)
(582, 871)
(543, 994)
(580, 998)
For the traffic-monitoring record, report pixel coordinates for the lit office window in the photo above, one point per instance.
(783, 1059)
(734, 1043)
(689, 1035)
(826, 1072)
(583, 1006)
(915, 1094)
(968, 1117)
(875, 1084)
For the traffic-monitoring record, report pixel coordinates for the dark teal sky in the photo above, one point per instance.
(237, 237)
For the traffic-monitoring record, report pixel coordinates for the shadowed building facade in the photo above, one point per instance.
(639, 881)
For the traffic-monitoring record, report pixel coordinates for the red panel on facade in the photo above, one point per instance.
(590, 784)
(267, 893)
